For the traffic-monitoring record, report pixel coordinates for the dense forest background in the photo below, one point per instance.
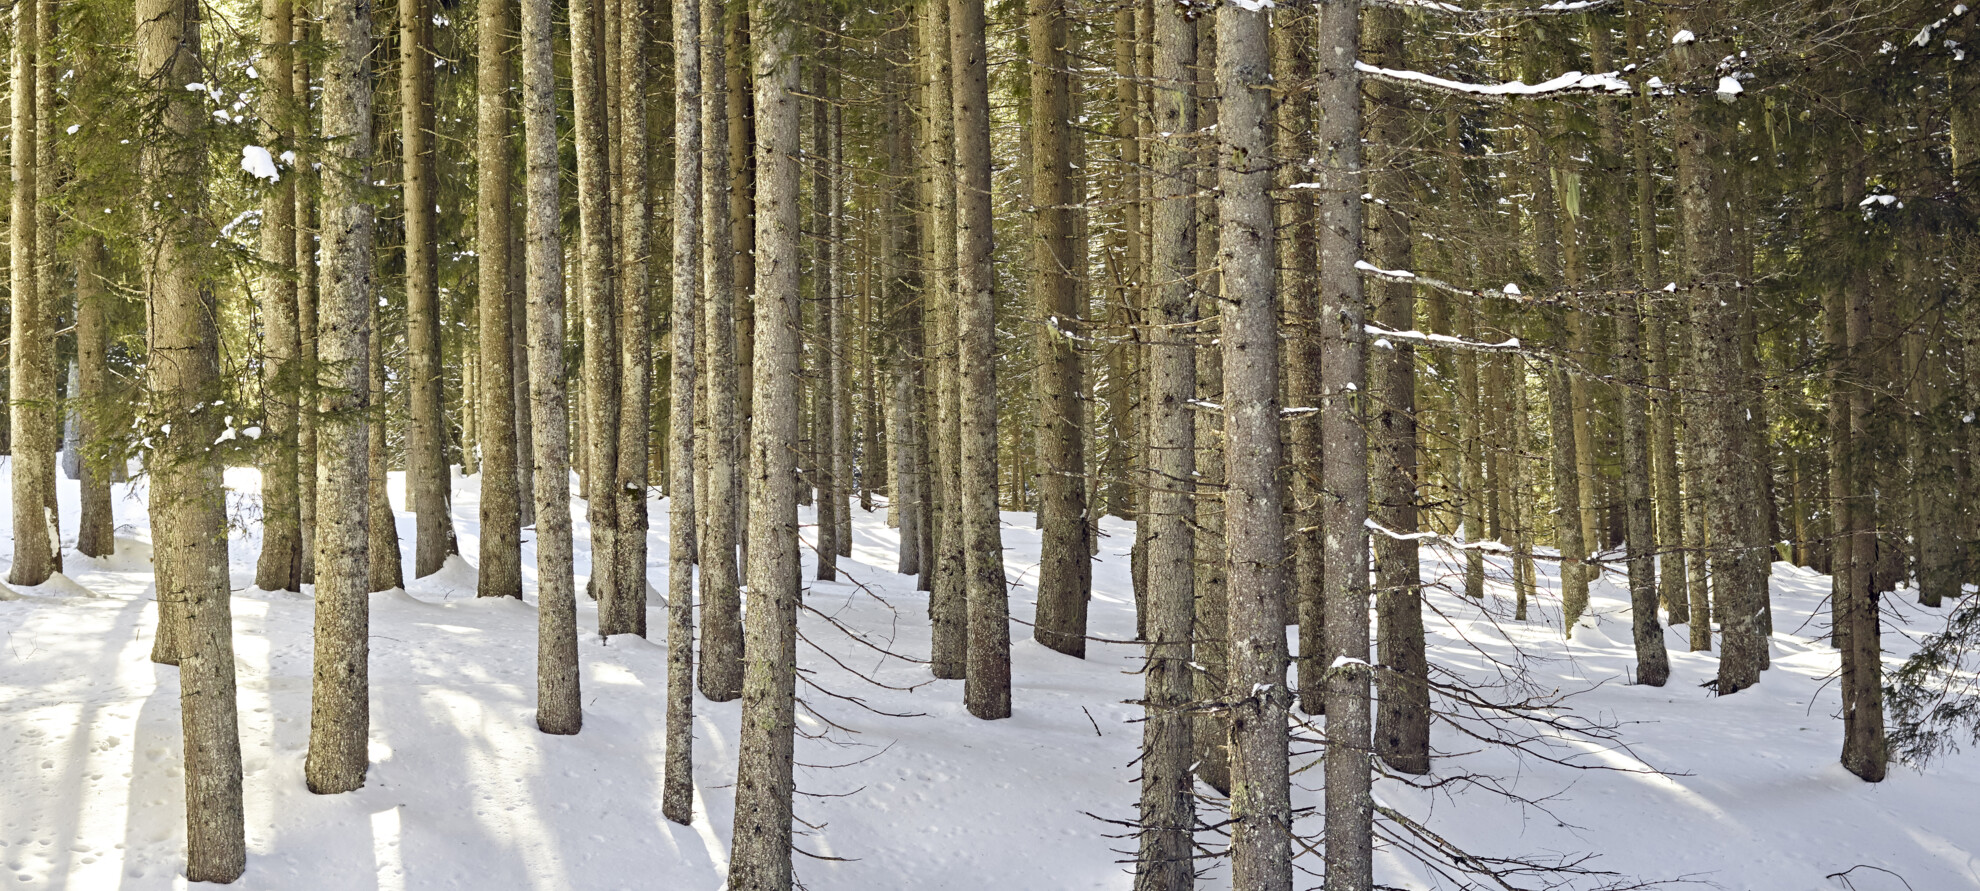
(1337, 302)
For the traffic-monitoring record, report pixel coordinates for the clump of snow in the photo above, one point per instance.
(1683, 37)
(1729, 87)
(259, 164)
(1512, 289)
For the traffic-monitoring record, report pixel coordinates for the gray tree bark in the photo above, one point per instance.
(1738, 574)
(987, 689)
(559, 708)
(340, 695)
(761, 859)
(32, 429)
(428, 478)
(1055, 265)
(599, 406)
(677, 790)
(501, 490)
(1402, 721)
(280, 565)
(628, 603)
(188, 501)
(948, 596)
(1168, 814)
(1344, 460)
(96, 531)
(1261, 807)
(721, 603)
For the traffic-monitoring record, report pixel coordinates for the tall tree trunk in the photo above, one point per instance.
(428, 477)
(635, 359)
(947, 602)
(309, 418)
(1168, 816)
(519, 355)
(1402, 722)
(1261, 808)
(824, 281)
(501, 490)
(280, 565)
(1344, 457)
(1299, 304)
(96, 530)
(1211, 633)
(188, 506)
(340, 695)
(677, 790)
(721, 604)
(599, 407)
(1653, 666)
(32, 427)
(1716, 305)
(1864, 751)
(764, 785)
(842, 347)
(559, 708)
(1055, 264)
(987, 689)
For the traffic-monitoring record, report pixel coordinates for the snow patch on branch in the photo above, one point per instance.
(1571, 82)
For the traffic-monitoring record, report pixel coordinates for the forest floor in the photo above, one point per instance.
(895, 780)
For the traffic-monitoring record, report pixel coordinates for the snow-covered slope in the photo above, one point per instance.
(897, 783)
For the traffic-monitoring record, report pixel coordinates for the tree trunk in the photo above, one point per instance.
(1261, 809)
(559, 708)
(628, 604)
(987, 689)
(762, 842)
(387, 564)
(599, 407)
(1055, 264)
(309, 418)
(1168, 816)
(1344, 458)
(501, 490)
(340, 697)
(944, 563)
(1864, 751)
(1717, 433)
(428, 477)
(280, 565)
(32, 425)
(188, 501)
(721, 603)
(824, 280)
(677, 791)
(1402, 722)
(96, 530)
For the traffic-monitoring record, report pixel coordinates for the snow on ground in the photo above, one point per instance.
(464, 792)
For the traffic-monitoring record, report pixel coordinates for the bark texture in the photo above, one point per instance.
(761, 859)
(340, 698)
(1063, 573)
(559, 709)
(188, 502)
(501, 490)
(677, 789)
(1254, 533)
(280, 565)
(1344, 463)
(1168, 814)
(987, 689)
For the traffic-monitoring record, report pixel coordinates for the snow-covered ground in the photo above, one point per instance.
(910, 793)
